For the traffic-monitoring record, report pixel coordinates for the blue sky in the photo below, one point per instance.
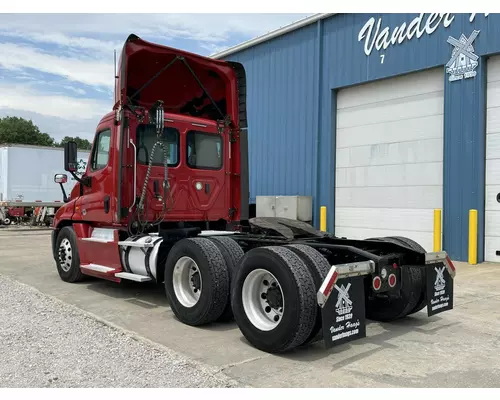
(57, 69)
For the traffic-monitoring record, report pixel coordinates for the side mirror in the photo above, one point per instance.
(60, 178)
(70, 157)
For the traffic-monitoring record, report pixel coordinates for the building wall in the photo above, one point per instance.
(292, 83)
(281, 96)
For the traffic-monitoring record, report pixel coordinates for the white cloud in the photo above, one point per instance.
(209, 27)
(23, 97)
(85, 70)
(88, 58)
(101, 47)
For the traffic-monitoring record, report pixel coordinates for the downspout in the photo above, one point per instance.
(317, 84)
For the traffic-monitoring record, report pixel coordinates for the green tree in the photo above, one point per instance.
(82, 144)
(16, 130)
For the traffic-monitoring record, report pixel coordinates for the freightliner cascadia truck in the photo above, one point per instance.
(164, 199)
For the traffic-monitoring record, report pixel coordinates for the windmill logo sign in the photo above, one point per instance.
(463, 61)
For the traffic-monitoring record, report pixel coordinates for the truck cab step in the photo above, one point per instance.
(132, 277)
(136, 244)
(98, 268)
(97, 240)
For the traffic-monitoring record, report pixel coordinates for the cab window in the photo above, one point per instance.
(146, 138)
(204, 150)
(100, 155)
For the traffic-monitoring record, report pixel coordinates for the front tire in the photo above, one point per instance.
(274, 299)
(67, 256)
(196, 281)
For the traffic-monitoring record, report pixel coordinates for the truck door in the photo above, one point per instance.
(96, 203)
(205, 155)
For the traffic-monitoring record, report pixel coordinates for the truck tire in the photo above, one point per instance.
(196, 281)
(232, 253)
(274, 300)
(386, 309)
(415, 246)
(319, 268)
(7, 221)
(67, 256)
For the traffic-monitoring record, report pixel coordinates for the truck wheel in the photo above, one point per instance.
(7, 221)
(196, 281)
(232, 253)
(415, 246)
(319, 268)
(386, 309)
(274, 300)
(68, 258)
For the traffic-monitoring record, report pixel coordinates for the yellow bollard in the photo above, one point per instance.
(322, 219)
(437, 230)
(473, 237)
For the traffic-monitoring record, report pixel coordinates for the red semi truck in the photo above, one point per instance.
(165, 199)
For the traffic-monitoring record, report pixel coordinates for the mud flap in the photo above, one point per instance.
(439, 289)
(440, 273)
(344, 313)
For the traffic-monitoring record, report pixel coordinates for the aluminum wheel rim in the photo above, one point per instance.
(187, 286)
(256, 305)
(65, 255)
(6, 221)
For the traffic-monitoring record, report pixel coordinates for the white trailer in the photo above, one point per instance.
(27, 178)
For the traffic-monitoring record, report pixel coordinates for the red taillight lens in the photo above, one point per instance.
(392, 280)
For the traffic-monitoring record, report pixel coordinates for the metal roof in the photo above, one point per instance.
(271, 35)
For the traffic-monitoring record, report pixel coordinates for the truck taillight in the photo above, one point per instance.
(392, 280)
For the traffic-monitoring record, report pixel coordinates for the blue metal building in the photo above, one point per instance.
(323, 92)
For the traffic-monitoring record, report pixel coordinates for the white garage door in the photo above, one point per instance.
(492, 207)
(389, 157)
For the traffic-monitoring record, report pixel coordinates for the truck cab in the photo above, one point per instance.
(169, 153)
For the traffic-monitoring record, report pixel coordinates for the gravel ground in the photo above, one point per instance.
(47, 343)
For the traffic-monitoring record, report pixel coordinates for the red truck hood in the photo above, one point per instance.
(140, 61)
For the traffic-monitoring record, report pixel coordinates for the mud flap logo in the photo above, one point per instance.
(440, 282)
(344, 303)
(439, 289)
(344, 314)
